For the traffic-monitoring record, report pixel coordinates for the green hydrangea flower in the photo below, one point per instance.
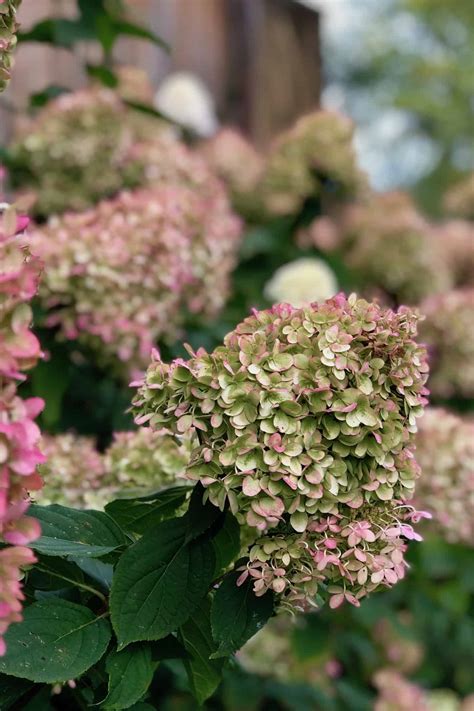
(303, 424)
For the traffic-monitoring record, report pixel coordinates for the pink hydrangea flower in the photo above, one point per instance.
(19, 435)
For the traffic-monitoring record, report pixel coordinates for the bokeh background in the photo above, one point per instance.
(269, 150)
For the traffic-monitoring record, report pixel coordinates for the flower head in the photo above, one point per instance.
(19, 435)
(302, 282)
(12, 560)
(445, 452)
(455, 240)
(78, 149)
(76, 474)
(459, 199)
(303, 422)
(239, 165)
(396, 693)
(314, 156)
(119, 276)
(392, 248)
(447, 330)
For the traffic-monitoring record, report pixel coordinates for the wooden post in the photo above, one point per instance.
(259, 58)
(276, 57)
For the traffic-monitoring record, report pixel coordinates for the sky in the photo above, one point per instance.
(390, 157)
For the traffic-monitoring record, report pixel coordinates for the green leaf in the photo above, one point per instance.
(103, 74)
(58, 31)
(52, 573)
(37, 100)
(237, 614)
(159, 582)
(57, 641)
(129, 28)
(204, 672)
(130, 674)
(68, 532)
(96, 569)
(12, 689)
(151, 111)
(141, 514)
(200, 517)
(226, 543)
(106, 32)
(51, 378)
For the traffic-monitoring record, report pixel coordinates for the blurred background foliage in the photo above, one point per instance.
(409, 86)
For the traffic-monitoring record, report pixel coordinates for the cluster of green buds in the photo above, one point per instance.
(76, 474)
(304, 420)
(8, 29)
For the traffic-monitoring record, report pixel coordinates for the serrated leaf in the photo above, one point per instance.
(200, 517)
(159, 582)
(140, 514)
(226, 543)
(237, 614)
(51, 573)
(204, 672)
(57, 641)
(130, 674)
(96, 569)
(68, 532)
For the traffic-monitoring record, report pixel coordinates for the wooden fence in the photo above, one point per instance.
(259, 58)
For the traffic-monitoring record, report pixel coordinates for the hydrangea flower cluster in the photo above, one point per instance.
(8, 29)
(391, 246)
(395, 645)
(301, 282)
(303, 422)
(315, 154)
(161, 159)
(144, 460)
(396, 693)
(456, 242)
(19, 435)
(73, 471)
(77, 475)
(74, 152)
(445, 452)
(120, 276)
(447, 330)
(459, 200)
(346, 555)
(239, 165)
(270, 653)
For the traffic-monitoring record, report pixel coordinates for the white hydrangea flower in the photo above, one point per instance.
(184, 98)
(302, 282)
